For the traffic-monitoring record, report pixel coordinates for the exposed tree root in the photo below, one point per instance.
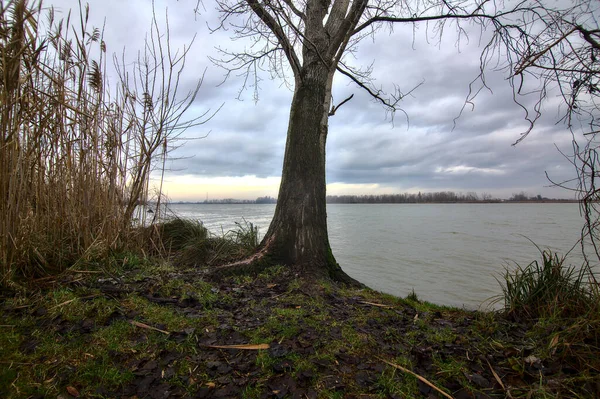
(251, 265)
(266, 257)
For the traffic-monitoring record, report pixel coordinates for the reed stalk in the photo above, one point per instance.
(77, 156)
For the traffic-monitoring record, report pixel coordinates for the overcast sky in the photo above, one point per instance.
(367, 153)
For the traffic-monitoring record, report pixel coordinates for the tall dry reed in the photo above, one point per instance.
(76, 156)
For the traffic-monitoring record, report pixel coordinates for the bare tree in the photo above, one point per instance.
(305, 43)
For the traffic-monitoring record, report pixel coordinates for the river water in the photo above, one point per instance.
(450, 254)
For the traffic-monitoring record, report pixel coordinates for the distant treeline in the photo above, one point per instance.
(440, 197)
(408, 198)
(259, 200)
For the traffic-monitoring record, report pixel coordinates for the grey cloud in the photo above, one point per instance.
(364, 145)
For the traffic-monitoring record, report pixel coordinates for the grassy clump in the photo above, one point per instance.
(190, 244)
(561, 306)
(550, 289)
(177, 234)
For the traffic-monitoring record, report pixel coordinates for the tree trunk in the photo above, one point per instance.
(297, 235)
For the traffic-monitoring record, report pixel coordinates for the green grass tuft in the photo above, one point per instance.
(549, 289)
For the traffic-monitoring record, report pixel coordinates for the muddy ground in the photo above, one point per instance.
(165, 334)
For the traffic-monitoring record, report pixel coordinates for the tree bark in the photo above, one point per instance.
(298, 235)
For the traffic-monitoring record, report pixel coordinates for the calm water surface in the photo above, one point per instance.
(448, 253)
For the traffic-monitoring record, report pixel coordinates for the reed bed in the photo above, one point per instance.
(76, 155)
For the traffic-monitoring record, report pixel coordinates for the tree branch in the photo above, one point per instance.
(341, 33)
(390, 103)
(473, 15)
(292, 7)
(277, 30)
(335, 108)
(527, 62)
(587, 35)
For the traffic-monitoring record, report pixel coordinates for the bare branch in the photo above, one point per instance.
(526, 63)
(279, 33)
(335, 108)
(292, 7)
(391, 102)
(341, 32)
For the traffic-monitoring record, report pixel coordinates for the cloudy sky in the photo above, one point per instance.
(367, 152)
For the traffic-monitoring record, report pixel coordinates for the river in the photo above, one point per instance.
(450, 254)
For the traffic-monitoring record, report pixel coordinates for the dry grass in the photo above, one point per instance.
(76, 155)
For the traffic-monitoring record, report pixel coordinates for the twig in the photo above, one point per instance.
(526, 63)
(379, 305)
(71, 300)
(161, 300)
(21, 307)
(86, 271)
(146, 326)
(243, 346)
(422, 379)
(19, 363)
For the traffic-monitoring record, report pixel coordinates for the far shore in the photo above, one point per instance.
(499, 201)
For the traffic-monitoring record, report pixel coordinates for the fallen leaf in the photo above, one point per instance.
(554, 342)
(496, 376)
(242, 346)
(73, 391)
(271, 286)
